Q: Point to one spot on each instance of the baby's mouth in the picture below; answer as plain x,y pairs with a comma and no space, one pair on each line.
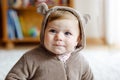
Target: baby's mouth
58,45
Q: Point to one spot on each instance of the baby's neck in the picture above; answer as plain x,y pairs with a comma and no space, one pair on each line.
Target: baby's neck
64,57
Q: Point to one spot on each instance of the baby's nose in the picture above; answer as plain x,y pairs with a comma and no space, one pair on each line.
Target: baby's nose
59,37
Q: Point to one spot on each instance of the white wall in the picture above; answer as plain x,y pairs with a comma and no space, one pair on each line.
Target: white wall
112,15
105,19
95,28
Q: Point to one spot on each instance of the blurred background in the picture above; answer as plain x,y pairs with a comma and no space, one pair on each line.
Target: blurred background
20,27
104,23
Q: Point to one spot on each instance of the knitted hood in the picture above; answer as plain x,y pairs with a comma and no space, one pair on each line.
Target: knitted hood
42,8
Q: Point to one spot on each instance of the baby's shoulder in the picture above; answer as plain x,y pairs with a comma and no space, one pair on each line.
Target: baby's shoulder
35,52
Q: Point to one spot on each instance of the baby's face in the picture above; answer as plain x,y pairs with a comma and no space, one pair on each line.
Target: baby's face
61,36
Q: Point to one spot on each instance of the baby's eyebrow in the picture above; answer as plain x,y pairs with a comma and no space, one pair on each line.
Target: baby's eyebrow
49,27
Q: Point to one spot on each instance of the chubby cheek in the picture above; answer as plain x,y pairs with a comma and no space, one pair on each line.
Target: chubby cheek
71,45
47,40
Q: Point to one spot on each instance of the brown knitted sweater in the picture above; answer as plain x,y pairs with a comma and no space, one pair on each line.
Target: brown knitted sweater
37,64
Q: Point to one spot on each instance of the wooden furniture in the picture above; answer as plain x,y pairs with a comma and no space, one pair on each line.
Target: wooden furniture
30,15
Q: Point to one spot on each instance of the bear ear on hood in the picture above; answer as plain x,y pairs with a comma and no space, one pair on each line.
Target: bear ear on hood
42,8
85,18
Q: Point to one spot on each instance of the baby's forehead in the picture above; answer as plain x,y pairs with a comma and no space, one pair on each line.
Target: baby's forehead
61,14
63,24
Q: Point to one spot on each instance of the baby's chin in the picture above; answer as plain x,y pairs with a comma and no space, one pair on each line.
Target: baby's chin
61,52
58,53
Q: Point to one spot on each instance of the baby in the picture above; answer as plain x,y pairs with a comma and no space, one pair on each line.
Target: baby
58,56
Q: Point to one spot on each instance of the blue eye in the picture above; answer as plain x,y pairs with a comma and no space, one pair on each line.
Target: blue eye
67,33
53,31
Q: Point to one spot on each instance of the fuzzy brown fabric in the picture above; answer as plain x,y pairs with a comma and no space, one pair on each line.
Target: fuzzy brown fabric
40,64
